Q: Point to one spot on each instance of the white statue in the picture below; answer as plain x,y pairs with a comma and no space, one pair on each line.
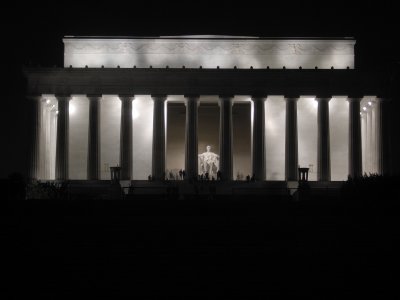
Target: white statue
208,163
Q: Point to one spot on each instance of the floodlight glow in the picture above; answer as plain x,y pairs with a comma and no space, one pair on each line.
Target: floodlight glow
72,109
369,103
135,113
364,108
48,101
56,112
180,51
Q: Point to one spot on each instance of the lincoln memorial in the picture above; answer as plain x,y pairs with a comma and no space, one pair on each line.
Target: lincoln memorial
230,105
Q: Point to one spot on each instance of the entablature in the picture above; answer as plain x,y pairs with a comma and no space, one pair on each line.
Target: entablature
205,81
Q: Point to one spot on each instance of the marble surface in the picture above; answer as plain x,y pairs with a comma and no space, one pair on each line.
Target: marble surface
208,52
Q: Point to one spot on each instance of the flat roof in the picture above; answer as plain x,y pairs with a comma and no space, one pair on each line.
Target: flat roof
208,37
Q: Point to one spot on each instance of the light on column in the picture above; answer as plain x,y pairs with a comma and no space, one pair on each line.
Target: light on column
72,109
315,103
135,113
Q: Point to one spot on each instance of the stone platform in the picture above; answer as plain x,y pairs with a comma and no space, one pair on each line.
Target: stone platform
180,189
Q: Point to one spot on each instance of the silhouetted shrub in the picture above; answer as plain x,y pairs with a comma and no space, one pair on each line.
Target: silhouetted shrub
43,190
371,191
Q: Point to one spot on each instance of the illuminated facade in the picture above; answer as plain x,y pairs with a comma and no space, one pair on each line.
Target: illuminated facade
151,105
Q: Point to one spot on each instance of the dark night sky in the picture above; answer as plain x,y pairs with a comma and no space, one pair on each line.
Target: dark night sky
34,34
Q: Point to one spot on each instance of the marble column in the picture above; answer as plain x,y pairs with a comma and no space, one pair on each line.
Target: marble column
158,155
323,155
53,146
126,146
258,138
93,161
374,160
45,141
363,117
355,154
383,136
369,142
62,144
36,112
191,140
225,137
291,141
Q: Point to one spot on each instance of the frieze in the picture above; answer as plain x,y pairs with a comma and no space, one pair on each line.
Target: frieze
211,47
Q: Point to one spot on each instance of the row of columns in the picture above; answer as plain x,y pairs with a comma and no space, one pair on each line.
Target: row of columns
191,138
375,136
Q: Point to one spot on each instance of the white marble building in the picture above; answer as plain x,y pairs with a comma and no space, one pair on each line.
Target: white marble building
150,105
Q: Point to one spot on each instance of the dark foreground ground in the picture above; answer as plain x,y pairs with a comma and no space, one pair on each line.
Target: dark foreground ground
176,249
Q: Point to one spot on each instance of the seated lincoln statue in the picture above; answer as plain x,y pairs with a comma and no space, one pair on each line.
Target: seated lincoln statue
208,163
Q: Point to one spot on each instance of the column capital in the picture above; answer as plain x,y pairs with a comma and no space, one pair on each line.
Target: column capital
323,96
320,99
291,98
159,97
126,97
94,96
255,98
63,97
